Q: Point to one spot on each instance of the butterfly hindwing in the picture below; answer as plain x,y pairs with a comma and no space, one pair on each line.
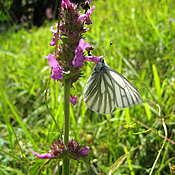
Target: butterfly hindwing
98,93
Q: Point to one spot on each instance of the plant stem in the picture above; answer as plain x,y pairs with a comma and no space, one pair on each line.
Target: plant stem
66,123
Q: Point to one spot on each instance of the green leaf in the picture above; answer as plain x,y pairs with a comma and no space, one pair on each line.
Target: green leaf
37,166
148,111
92,170
157,83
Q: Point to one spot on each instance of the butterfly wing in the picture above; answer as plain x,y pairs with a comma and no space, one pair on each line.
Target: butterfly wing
126,95
98,93
108,89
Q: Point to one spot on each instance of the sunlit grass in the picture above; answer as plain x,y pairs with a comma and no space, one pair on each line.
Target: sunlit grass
142,50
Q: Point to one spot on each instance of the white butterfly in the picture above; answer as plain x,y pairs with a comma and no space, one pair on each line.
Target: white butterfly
107,89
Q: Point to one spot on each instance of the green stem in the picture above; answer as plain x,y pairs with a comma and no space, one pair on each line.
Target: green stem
66,123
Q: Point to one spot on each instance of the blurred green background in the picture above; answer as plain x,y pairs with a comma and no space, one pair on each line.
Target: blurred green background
143,50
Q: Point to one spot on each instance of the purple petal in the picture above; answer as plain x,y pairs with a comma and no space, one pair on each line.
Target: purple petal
53,42
52,62
84,151
171,20
86,30
81,17
88,13
93,58
57,73
83,44
73,100
91,10
56,69
49,13
88,21
66,3
42,156
85,17
48,10
79,58
56,25
23,17
53,30
78,62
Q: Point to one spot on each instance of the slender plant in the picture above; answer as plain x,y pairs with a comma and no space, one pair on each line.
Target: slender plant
66,64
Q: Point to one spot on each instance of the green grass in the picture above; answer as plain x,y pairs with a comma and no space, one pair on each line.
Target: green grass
143,50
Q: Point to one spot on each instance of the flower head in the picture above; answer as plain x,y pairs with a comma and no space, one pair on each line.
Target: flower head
70,54
84,151
59,150
76,150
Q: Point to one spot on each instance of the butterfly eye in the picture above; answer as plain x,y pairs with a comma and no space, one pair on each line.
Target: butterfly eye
102,60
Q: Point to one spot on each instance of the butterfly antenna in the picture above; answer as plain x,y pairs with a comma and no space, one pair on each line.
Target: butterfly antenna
109,48
104,51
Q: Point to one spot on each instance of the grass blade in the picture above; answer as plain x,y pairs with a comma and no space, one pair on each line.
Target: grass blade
157,83
21,123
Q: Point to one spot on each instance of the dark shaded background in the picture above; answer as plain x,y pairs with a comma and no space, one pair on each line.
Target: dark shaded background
30,12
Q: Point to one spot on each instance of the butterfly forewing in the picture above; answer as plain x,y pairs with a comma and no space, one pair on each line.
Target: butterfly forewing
126,94
108,89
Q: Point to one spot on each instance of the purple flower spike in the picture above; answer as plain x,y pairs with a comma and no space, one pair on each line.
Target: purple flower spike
84,151
73,100
79,58
93,58
70,55
56,69
42,156
85,17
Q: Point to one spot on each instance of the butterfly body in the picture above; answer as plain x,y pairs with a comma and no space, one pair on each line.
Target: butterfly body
100,66
107,89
